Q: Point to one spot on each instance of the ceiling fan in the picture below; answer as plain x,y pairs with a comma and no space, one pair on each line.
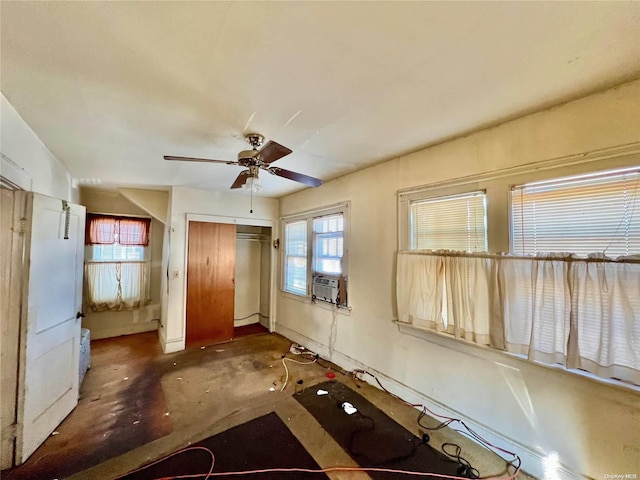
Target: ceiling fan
254,160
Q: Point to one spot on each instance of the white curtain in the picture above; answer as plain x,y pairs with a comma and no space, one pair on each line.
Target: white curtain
606,320
554,309
419,284
116,285
536,306
467,296
445,294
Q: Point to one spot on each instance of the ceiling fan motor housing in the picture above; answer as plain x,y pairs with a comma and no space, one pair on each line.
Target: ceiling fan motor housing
246,155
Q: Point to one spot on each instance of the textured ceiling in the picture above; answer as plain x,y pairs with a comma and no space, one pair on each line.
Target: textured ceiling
111,87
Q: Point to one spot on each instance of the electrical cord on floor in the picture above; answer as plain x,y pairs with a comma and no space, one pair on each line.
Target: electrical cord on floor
441,425
251,315
516,461
210,474
284,360
325,364
466,469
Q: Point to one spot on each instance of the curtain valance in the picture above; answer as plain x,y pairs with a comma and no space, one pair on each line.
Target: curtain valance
110,229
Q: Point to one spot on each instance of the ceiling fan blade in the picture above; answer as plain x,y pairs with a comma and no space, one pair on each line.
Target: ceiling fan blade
273,151
241,179
193,159
298,177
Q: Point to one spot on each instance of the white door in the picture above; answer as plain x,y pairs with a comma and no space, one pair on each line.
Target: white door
50,327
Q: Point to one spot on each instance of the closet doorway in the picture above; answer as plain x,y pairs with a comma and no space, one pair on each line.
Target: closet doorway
210,283
228,278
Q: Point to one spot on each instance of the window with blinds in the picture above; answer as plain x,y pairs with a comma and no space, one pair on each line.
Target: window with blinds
295,262
582,215
328,244
456,222
316,248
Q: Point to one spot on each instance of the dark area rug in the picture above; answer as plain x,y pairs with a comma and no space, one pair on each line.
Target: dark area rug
263,443
369,436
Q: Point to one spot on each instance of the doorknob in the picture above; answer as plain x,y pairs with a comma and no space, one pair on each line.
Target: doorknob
79,315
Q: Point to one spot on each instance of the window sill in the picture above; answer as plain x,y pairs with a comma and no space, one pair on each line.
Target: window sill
324,305
480,351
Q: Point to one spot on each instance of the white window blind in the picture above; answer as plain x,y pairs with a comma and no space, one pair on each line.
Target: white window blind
295,268
328,244
582,215
455,222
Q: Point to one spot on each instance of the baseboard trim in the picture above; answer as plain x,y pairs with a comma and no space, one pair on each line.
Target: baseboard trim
97,334
173,345
533,462
250,320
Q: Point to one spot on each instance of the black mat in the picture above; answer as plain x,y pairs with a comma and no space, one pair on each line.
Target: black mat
265,442
369,436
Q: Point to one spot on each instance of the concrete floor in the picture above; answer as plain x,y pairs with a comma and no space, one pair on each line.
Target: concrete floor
137,404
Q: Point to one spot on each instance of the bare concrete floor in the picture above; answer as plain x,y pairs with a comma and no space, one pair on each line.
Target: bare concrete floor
137,405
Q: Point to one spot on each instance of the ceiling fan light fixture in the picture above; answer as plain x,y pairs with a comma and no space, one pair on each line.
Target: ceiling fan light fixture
252,184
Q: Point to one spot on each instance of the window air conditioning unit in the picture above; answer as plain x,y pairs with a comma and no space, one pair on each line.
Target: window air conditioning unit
325,289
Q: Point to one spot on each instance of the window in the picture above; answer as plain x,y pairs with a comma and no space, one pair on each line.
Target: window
456,222
555,299
295,269
328,244
116,262
582,215
450,222
323,256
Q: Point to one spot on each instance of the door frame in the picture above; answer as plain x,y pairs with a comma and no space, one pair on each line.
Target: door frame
11,325
254,222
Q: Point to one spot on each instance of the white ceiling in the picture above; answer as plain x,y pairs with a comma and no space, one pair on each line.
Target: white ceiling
111,87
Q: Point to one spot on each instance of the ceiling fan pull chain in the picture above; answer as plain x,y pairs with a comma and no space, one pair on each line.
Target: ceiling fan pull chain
251,210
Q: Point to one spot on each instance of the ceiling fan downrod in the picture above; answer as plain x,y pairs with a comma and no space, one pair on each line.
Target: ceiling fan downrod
255,140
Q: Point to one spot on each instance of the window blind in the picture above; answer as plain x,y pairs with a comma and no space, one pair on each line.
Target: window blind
295,268
455,222
582,215
329,244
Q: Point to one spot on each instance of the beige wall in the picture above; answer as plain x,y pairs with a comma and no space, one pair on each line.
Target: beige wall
247,291
594,427
27,162
113,324
252,275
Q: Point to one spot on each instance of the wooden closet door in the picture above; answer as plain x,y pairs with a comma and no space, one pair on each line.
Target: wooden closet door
210,283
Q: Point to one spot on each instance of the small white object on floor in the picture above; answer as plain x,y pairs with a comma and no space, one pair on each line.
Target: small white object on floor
271,389
202,348
55,433
322,392
348,408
